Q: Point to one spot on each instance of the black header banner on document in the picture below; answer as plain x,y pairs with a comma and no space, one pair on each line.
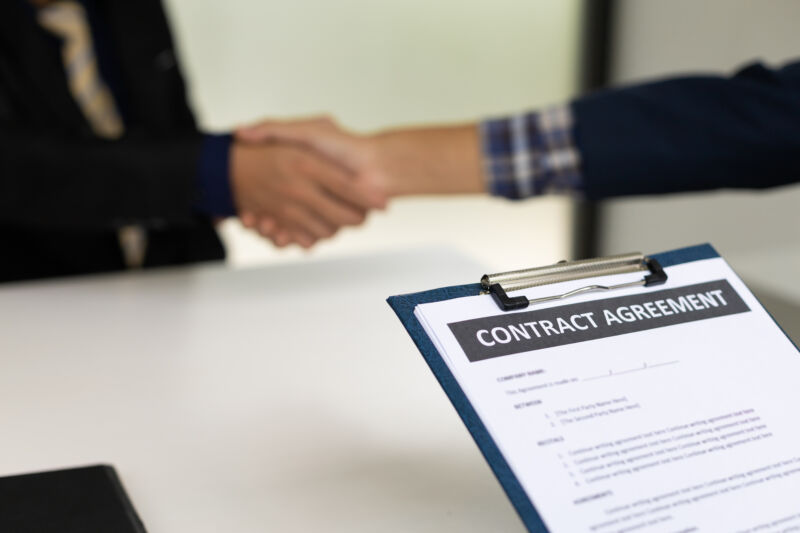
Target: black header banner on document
496,336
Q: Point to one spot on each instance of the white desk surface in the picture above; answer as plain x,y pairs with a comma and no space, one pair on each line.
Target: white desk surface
284,398
774,269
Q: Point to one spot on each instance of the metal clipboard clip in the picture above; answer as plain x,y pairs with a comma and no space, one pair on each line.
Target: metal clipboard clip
499,285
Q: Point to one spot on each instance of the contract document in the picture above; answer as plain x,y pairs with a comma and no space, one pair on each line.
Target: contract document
672,408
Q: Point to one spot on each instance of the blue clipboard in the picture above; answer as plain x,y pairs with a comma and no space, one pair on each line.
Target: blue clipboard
404,305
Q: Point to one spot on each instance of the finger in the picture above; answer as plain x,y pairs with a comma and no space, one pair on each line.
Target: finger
333,210
342,186
303,239
267,226
297,236
282,238
300,130
248,220
304,220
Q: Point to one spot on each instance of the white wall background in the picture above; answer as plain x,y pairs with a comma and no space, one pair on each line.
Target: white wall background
377,63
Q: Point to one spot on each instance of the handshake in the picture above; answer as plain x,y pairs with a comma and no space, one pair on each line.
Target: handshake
300,181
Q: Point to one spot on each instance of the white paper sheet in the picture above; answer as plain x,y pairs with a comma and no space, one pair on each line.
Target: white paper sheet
686,427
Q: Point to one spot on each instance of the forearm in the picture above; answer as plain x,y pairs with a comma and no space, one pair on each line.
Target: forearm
517,156
683,134
436,160
693,133
52,181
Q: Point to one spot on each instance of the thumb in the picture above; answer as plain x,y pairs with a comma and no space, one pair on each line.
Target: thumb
320,135
264,131
300,131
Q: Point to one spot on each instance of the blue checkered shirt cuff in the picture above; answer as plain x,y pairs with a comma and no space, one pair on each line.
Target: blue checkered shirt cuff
531,154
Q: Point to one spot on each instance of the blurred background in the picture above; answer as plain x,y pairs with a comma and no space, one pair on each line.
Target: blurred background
219,396
374,64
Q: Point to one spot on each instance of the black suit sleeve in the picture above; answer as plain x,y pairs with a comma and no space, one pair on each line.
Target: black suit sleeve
53,180
692,133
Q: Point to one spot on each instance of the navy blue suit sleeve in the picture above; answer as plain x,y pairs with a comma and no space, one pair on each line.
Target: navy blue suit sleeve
215,198
692,133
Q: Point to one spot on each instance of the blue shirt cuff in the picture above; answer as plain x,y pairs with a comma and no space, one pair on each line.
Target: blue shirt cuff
215,197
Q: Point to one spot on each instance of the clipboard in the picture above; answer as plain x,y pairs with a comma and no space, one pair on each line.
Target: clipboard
499,286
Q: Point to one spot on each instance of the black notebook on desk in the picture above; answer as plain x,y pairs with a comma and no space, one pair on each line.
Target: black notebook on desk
79,500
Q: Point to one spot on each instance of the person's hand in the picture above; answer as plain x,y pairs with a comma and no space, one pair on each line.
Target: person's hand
436,160
439,160
351,154
358,154
290,194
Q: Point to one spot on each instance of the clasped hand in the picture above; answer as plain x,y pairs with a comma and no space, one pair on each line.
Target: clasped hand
301,181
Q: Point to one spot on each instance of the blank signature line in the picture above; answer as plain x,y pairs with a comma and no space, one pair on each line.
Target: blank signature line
611,373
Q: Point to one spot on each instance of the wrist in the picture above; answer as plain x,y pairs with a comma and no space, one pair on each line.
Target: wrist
441,160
